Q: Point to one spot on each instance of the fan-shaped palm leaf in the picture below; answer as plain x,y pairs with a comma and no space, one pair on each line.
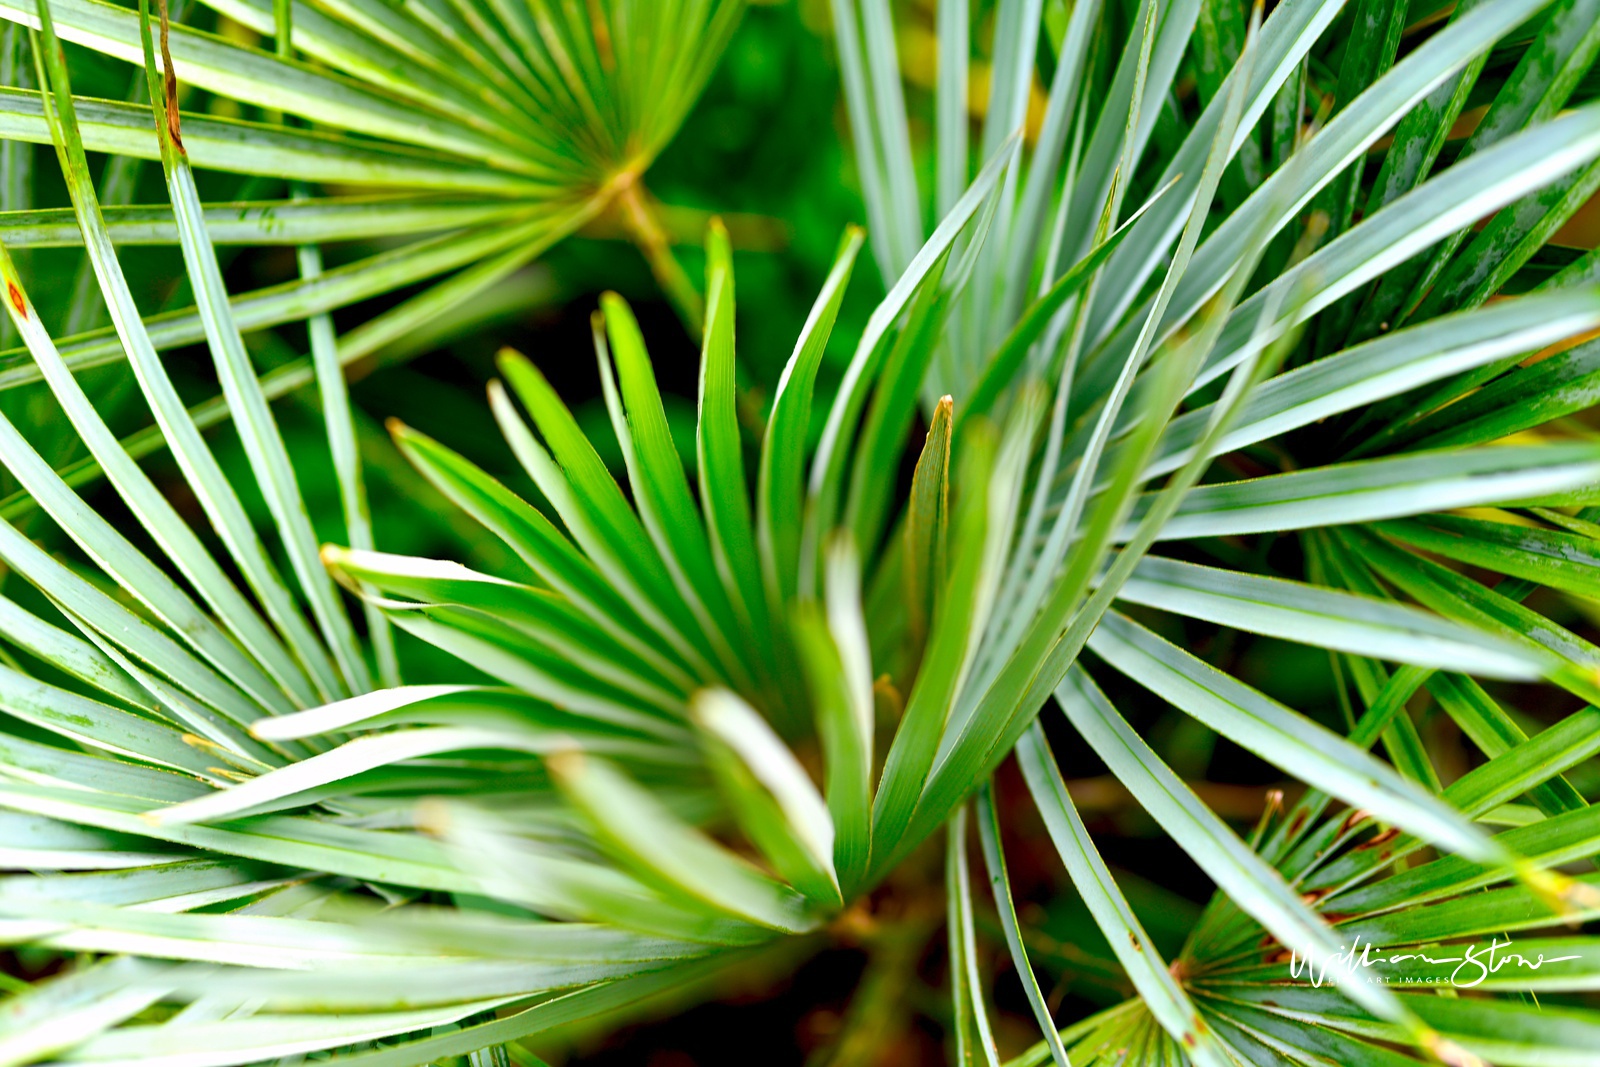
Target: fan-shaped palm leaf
279,859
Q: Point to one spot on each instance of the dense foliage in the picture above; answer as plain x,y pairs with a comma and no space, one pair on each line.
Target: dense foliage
1205,335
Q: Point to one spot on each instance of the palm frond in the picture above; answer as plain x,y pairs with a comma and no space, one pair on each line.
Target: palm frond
283,850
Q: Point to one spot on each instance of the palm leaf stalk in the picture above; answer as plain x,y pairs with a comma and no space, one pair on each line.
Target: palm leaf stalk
262,853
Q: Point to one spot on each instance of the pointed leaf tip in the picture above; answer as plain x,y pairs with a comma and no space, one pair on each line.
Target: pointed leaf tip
566,764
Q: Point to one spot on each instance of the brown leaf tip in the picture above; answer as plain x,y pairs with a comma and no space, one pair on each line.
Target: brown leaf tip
1356,817
1379,841
170,83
